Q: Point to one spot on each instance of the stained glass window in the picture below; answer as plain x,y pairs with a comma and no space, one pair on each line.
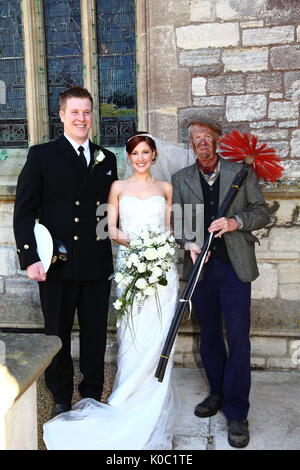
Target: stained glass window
64,53
117,74
13,128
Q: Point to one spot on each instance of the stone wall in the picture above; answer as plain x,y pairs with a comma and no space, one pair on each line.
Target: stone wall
237,62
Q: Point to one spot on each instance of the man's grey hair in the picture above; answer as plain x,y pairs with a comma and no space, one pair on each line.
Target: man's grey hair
207,123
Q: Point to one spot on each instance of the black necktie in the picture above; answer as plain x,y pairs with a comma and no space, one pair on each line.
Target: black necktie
82,157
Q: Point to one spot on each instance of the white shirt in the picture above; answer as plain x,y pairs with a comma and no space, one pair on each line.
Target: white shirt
85,145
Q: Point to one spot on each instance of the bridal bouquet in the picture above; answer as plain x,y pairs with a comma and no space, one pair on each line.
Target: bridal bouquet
144,268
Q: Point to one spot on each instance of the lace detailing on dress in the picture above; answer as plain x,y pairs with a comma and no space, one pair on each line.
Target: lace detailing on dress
140,411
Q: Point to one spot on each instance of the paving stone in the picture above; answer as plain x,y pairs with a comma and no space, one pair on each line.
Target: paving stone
266,36
266,81
244,60
216,35
295,143
232,9
281,12
199,57
199,86
201,11
246,107
283,110
292,85
8,261
226,84
285,57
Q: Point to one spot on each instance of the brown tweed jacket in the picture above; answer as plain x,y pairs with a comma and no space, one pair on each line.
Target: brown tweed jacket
249,204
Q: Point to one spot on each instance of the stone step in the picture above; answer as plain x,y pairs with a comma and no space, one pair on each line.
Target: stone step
274,415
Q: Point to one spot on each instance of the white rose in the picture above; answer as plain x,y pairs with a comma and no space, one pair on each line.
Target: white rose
141,284
133,258
150,254
144,234
141,267
135,242
156,271
162,239
126,281
148,242
141,256
153,279
99,156
149,291
171,250
117,304
162,251
119,277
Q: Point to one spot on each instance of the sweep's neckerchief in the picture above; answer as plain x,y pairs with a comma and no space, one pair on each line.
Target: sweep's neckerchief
210,173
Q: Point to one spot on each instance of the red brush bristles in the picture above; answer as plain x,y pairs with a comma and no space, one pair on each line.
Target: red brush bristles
244,147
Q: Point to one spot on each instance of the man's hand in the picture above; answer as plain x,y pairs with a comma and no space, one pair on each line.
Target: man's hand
223,225
195,250
36,272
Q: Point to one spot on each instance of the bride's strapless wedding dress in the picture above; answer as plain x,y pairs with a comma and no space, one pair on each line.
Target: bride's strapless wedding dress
140,411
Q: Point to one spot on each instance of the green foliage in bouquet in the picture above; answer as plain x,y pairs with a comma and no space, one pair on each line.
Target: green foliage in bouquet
144,267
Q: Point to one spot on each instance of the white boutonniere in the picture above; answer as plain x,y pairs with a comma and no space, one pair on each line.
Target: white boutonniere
98,157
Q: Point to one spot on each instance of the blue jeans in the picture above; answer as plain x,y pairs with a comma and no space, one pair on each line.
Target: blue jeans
222,296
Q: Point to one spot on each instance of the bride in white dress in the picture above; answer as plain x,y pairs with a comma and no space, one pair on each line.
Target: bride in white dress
140,411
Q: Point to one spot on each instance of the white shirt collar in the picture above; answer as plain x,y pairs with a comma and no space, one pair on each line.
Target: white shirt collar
75,145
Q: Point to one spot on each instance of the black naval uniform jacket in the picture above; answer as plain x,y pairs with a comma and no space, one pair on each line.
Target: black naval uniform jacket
54,187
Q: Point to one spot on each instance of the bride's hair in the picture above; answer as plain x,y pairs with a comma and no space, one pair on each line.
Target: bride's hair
139,137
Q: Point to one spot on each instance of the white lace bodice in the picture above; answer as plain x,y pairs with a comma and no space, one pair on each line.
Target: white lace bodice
137,214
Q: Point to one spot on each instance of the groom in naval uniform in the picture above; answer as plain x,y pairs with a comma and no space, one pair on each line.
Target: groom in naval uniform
62,184
224,290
